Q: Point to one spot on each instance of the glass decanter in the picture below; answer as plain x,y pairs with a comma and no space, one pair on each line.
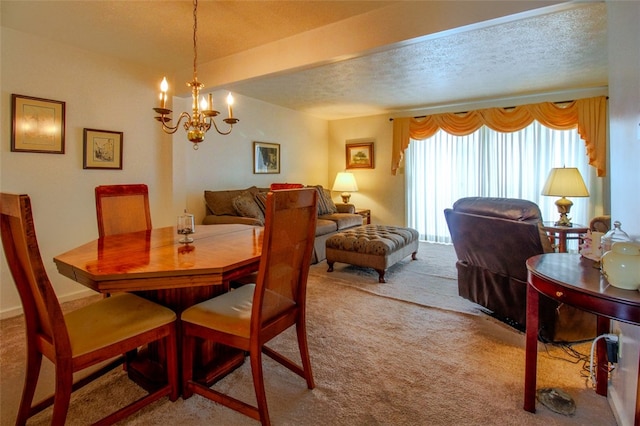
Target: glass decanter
613,236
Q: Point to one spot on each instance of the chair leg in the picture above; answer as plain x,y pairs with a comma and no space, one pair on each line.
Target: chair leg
258,384
62,397
188,343
301,331
172,363
34,363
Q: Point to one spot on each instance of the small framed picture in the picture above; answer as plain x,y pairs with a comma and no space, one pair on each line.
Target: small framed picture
102,149
266,157
37,125
359,155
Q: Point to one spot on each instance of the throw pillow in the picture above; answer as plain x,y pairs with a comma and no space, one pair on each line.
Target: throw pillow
326,197
221,202
325,203
261,200
246,206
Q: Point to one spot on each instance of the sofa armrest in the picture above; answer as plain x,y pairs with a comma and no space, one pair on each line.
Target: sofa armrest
213,219
346,208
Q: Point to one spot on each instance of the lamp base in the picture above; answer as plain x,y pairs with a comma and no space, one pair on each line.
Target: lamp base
564,221
564,206
345,197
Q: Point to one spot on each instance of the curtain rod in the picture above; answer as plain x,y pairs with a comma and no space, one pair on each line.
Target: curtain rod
510,107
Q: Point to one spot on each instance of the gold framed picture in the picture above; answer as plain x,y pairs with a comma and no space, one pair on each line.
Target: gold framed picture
102,149
359,155
37,125
266,157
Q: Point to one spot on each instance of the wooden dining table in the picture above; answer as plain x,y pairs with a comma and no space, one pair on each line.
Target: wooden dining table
155,265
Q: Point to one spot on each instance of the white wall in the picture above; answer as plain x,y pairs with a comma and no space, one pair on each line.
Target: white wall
102,93
378,189
226,162
624,134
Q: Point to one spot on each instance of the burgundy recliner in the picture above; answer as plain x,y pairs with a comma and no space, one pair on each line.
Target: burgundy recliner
493,238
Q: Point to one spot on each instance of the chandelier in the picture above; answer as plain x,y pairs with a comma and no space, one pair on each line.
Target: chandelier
202,116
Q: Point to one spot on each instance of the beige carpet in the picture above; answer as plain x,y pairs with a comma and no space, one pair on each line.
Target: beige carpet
377,361
427,281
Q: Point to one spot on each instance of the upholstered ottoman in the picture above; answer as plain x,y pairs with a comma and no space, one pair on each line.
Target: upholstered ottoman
372,246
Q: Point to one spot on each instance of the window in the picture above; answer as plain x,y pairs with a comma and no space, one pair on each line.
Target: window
444,168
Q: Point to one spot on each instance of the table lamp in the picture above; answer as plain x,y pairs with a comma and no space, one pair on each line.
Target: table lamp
346,183
565,182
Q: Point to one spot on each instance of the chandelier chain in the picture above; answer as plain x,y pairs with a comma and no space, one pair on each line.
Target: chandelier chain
195,40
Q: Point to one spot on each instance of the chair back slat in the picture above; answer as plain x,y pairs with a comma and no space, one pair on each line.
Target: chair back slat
43,315
122,208
290,223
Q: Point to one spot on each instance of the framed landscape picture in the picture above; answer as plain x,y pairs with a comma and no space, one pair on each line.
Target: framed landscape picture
37,125
266,157
102,149
359,155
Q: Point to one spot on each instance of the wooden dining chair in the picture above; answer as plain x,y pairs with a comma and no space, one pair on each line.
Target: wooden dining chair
250,316
82,338
122,208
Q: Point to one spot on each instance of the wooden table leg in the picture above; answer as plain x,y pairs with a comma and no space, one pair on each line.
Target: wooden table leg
602,372
212,361
636,422
531,350
562,242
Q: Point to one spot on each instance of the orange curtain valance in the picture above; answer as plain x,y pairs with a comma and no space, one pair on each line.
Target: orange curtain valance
588,115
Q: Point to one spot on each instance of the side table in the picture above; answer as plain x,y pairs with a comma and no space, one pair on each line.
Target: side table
571,279
560,233
366,215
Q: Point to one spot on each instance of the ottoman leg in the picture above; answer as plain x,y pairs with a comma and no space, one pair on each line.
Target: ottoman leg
381,275
414,255
330,266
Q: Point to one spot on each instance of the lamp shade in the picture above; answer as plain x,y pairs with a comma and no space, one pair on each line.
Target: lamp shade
565,182
345,182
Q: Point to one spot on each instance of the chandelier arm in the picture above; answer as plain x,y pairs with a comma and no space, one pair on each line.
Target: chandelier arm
172,129
165,127
218,130
187,124
169,130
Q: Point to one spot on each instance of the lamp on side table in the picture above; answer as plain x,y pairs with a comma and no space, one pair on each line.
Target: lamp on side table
346,183
565,182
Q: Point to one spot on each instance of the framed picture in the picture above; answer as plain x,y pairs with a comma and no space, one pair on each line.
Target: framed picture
266,157
359,155
37,125
102,149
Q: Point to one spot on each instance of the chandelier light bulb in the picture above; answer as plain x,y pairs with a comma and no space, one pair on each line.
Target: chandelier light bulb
230,103
164,86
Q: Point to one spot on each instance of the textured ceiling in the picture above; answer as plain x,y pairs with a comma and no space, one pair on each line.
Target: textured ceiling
561,50
554,52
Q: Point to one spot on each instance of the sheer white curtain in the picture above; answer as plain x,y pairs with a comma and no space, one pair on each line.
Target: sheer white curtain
444,168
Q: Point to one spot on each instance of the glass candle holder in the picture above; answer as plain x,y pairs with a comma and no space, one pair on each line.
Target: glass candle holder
186,227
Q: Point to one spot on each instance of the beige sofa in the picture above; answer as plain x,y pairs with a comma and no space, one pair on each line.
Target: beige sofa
246,206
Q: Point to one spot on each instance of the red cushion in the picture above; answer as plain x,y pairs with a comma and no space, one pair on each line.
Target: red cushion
276,186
